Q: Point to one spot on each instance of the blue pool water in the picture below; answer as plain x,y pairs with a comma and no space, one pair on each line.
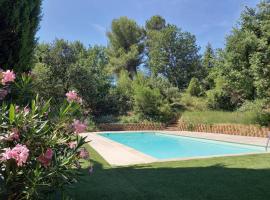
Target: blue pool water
163,146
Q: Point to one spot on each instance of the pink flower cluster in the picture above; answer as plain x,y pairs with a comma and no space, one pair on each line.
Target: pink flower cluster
72,96
79,127
8,76
46,158
83,153
19,153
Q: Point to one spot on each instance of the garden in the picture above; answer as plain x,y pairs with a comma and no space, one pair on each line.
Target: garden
155,73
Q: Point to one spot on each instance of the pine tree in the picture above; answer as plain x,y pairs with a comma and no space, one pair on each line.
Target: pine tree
208,57
155,23
125,46
19,20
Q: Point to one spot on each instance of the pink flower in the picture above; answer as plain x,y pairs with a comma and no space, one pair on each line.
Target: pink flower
8,154
49,154
72,96
45,159
8,76
19,153
83,153
72,145
79,127
17,108
26,110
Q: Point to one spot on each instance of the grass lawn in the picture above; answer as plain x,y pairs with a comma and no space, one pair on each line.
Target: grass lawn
219,117
231,178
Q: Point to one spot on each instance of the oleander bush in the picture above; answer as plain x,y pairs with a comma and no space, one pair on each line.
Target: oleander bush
40,151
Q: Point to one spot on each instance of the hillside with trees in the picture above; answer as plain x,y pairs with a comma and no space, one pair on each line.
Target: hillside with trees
156,72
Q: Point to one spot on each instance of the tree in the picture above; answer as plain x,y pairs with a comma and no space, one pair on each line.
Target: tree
125,46
155,23
208,67
174,55
245,62
57,59
90,79
260,60
65,66
18,26
208,60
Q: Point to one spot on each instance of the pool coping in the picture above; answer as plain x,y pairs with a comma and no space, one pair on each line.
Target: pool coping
117,154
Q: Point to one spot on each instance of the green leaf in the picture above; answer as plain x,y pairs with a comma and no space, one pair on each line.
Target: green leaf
12,113
65,110
45,107
33,105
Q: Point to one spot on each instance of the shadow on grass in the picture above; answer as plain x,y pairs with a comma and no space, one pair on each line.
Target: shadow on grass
182,183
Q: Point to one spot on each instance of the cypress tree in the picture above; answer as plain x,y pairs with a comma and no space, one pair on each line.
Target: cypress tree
19,22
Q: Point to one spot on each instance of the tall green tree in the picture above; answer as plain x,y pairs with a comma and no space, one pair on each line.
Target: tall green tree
55,62
208,60
156,22
18,26
208,64
125,46
62,66
246,58
260,60
244,64
173,54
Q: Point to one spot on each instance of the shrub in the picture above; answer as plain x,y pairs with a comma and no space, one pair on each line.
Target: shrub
106,119
194,87
193,103
256,105
22,91
166,112
167,90
147,102
219,99
40,151
123,93
261,109
150,105
263,118
130,119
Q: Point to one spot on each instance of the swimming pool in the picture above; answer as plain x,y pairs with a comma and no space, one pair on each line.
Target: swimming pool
165,146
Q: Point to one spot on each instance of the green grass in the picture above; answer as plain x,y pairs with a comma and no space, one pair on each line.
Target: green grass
231,178
219,117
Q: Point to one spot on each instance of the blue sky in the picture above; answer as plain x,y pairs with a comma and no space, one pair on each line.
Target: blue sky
88,20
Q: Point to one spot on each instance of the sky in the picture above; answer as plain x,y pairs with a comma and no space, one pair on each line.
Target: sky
89,20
